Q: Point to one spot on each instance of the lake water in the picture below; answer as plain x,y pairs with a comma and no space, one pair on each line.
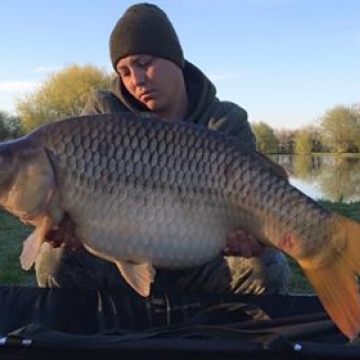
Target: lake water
326,177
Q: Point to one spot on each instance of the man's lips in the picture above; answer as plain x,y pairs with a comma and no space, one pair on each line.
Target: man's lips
147,95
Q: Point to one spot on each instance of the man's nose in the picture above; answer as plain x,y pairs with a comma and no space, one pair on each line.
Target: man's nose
139,77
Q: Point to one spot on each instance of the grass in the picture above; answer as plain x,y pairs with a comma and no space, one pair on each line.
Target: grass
13,232
12,235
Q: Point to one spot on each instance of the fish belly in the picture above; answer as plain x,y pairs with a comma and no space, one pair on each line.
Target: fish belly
150,225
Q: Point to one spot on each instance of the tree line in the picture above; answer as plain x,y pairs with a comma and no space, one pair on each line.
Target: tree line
10,126
337,131
65,92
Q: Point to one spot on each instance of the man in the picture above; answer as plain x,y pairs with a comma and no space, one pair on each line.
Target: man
153,76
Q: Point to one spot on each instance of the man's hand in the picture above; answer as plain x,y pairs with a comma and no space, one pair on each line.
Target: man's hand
64,235
241,243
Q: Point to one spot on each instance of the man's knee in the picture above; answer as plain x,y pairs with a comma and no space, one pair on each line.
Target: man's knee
62,267
47,264
65,268
267,274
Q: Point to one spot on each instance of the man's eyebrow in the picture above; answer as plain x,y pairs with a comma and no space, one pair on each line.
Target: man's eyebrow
138,58
135,59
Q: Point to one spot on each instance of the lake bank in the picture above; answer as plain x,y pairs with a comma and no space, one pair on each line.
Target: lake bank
329,177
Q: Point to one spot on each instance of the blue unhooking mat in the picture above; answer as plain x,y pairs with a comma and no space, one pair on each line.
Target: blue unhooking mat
115,324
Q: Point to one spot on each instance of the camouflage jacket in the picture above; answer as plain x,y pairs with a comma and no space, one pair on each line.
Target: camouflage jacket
205,108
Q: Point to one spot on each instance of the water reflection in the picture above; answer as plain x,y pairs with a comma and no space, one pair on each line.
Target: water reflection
330,177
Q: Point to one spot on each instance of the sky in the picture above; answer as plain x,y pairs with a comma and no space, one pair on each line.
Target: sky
286,62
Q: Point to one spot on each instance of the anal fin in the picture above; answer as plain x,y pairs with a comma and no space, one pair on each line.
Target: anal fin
138,275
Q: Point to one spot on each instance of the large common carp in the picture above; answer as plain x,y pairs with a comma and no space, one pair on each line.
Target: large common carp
145,192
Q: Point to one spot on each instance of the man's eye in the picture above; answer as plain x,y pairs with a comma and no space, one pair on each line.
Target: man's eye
144,63
124,73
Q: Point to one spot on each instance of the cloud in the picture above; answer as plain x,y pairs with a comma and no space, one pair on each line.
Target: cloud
47,69
16,87
11,90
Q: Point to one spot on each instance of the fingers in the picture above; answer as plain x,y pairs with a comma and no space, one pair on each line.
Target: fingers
64,235
64,241
240,243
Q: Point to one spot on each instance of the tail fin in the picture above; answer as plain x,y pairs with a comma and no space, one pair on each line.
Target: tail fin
336,282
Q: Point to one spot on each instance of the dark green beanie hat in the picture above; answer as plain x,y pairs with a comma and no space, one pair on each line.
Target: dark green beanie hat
145,29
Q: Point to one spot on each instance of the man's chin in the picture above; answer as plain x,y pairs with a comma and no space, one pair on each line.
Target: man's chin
151,105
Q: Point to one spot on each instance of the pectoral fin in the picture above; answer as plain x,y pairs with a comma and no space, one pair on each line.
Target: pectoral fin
33,242
138,275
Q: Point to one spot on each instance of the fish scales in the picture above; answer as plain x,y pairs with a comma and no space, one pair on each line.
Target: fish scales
184,192
147,193
158,198
208,194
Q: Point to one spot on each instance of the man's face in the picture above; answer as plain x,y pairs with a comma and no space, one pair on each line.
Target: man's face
153,81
